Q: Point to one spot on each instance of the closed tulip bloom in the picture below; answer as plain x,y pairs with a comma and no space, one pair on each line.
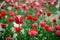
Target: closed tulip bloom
3,13
3,26
19,19
10,19
46,27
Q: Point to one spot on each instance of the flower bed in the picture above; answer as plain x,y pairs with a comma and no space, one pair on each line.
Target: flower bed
30,20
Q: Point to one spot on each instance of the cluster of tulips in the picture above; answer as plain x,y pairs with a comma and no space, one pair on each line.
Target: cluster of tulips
29,20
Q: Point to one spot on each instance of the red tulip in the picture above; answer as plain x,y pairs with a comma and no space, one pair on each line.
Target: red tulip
10,19
34,18
51,29
44,2
57,27
38,14
30,17
58,17
54,20
3,6
12,13
3,26
54,3
18,6
7,1
0,16
19,19
41,11
58,32
11,4
18,0
25,8
46,27
35,25
42,24
32,5
33,32
49,2
18,29
47,13
3,13
9,38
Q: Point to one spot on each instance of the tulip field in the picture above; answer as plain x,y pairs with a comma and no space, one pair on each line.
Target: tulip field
29,19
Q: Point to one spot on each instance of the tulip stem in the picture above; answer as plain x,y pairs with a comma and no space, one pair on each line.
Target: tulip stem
57,22
19,38
52,24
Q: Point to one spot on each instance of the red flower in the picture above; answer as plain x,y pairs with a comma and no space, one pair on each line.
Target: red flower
49,2
51,29
18,6
3,25
18,29
25,8
30,17
19,19
38,14
7,1
53,4
41,11
35,25
9,38
58,32
54,20
10,19
34,18
3,13
0,16
42,24
2,7
33,32
47,13
12,13
44,2
32,5
57,27
11,4
46,27
58,17
18,0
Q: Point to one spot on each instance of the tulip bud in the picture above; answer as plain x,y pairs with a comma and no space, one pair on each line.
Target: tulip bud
3,26
10,19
